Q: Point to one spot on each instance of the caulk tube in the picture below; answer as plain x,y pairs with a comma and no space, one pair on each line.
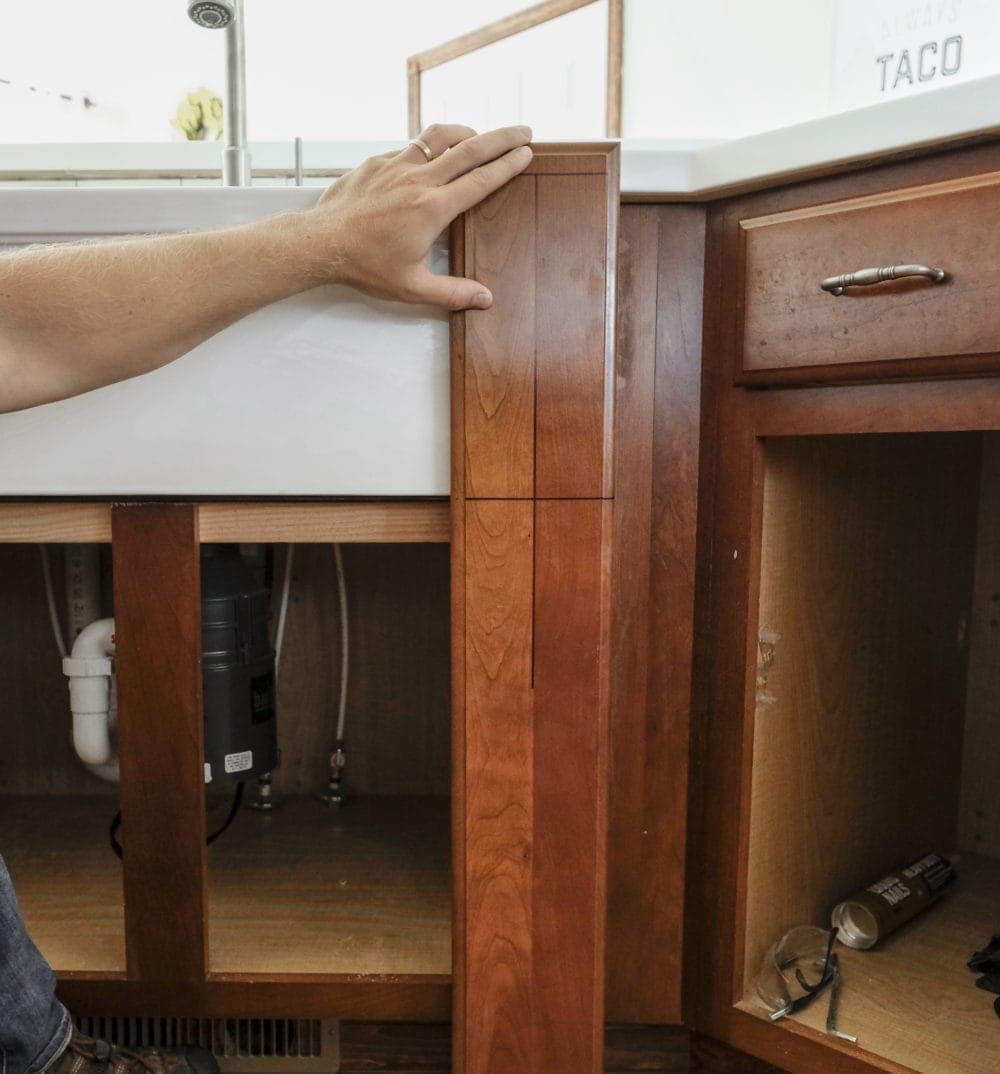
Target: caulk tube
868,916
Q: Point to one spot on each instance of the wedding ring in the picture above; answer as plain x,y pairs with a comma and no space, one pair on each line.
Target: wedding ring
423,147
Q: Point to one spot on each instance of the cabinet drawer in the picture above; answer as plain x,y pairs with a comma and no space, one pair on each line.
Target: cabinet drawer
794,331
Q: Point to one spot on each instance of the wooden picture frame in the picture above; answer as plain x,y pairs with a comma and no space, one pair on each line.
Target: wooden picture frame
508,27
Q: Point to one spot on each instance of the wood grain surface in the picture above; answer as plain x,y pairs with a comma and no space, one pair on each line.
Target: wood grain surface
791,322
370,522
68,882
161,735
234,995
376,521
54,523
979,808
875,180
656,477
572,595
501,1026
531,623
498,436
310,890
913,998
574,371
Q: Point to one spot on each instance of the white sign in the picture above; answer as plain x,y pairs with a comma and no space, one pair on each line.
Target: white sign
884,49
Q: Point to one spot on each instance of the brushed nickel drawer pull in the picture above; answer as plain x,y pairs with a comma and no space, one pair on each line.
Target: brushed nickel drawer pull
837,285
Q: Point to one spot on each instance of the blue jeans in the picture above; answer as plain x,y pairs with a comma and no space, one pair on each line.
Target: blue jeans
34,1025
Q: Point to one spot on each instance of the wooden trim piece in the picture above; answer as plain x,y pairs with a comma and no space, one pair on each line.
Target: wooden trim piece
535,854
157,597
55,523
657,414
364,998
574,368
494,32
412,98
616,66
570,766
800,1048
939,406
573,158
530,636
508,27
497,1022
498,437
376,522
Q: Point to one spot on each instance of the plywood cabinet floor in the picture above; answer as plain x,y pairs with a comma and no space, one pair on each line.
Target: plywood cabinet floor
913,996
361,890
67,880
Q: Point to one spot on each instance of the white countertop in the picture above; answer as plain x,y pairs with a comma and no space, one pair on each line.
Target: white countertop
670,169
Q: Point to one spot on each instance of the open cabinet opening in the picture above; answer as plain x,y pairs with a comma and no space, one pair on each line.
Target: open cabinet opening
55,812
876,728
363,887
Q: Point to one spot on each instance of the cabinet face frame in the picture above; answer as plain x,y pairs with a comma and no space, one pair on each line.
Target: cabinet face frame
532,521
735,423
158,544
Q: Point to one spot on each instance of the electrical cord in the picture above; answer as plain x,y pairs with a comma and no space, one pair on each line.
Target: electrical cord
116,824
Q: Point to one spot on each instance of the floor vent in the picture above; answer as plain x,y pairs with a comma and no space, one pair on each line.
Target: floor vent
274,1045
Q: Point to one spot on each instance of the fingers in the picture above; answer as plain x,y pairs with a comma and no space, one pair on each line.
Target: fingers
450,292
438,138
471,188
473,151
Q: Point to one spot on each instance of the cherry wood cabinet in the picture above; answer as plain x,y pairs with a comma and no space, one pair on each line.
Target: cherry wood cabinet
557,571
845,550
668,541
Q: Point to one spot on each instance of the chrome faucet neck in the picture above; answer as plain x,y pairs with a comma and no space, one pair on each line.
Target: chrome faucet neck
236,170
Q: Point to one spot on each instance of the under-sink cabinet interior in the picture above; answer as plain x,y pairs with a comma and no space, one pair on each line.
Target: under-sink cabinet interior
327,868
875,726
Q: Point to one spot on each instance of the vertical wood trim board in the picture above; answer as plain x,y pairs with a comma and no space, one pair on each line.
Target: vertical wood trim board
573,359
499,807
499,390
656,454
531,547
157,598
571,759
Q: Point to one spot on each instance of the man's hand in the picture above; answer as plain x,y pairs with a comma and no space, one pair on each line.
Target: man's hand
378,222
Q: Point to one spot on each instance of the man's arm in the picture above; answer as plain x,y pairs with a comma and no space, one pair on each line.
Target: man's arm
73,318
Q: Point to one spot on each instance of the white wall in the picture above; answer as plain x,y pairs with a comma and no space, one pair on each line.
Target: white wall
724,68
552,77
331,70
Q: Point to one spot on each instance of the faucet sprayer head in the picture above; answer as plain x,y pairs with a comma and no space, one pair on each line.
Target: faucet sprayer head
212,14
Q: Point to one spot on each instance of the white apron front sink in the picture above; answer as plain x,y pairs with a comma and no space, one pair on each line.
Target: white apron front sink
328,393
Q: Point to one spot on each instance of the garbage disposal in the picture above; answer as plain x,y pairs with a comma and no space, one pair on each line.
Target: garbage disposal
238,670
